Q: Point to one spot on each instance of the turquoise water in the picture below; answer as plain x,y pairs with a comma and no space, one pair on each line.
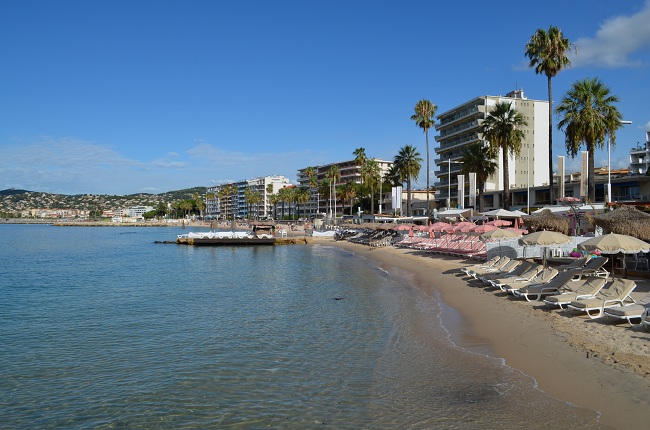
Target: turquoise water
102,328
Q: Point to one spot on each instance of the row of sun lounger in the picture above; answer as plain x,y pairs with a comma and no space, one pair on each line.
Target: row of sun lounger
582,288
375,238
467,246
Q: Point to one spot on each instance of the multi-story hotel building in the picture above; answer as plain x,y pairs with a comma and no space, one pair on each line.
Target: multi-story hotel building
460,127
236,205
350,172
640,157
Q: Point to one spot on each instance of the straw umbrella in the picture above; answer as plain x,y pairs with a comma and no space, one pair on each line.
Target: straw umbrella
547,220
625,220
615,243
546,238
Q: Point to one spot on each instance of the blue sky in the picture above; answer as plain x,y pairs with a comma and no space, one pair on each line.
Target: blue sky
120,97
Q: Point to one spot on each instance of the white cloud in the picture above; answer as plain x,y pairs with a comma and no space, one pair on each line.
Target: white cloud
616,42
645,127
72,166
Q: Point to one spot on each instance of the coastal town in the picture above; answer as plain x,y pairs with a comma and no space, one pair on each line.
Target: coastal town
354,215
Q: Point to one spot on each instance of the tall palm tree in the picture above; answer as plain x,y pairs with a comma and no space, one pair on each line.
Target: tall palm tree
348,193
547,51
334,175
371,172
360,159
302,197
274,199
480,160
408,164
502,129
588,116
312,175
284,196
425,111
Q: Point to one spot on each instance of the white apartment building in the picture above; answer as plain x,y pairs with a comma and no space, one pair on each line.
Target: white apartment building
236,203
350,172
460,127
640,157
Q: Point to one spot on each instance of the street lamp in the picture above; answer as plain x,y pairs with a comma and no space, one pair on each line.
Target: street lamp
449,181
609,166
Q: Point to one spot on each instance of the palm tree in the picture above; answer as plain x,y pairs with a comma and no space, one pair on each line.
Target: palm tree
502,129
478,159
312,175
547,53
252,197
334,175
408,164
284,196
348,193
423,117
199,203
589,115
274,199
302,197
371,172
392,176
360,159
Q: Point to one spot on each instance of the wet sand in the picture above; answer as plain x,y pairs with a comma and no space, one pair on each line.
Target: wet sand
593,364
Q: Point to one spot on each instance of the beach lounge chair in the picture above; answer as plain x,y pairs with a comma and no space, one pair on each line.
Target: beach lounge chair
521,268
595,267
491,262
616,293
526,276
586,287
480,271
645,320
543,277
555,286
578,263
629,312
505,270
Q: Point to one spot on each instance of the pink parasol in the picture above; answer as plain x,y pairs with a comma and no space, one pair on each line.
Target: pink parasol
483,228
500,223
438,226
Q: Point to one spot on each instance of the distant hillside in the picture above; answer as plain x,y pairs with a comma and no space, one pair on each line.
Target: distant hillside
12,191
12,200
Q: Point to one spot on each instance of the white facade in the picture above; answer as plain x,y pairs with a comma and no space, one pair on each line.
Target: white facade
460,127
136,211
236,203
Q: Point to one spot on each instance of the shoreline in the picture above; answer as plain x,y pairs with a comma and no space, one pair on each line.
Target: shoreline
592,364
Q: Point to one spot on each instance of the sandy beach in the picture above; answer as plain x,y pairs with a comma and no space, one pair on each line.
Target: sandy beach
594,364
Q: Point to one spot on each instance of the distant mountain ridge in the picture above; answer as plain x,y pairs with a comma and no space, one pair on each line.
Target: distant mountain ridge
15,200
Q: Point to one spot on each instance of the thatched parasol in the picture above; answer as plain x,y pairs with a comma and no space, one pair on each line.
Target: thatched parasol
625,220
547,220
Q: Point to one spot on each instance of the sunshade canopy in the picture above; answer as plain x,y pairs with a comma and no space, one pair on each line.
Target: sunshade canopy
614,243
546,238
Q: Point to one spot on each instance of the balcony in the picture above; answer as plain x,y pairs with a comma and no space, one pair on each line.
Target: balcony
458,129
458,116
463,141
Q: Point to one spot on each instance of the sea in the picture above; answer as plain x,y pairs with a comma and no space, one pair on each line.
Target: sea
104,328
